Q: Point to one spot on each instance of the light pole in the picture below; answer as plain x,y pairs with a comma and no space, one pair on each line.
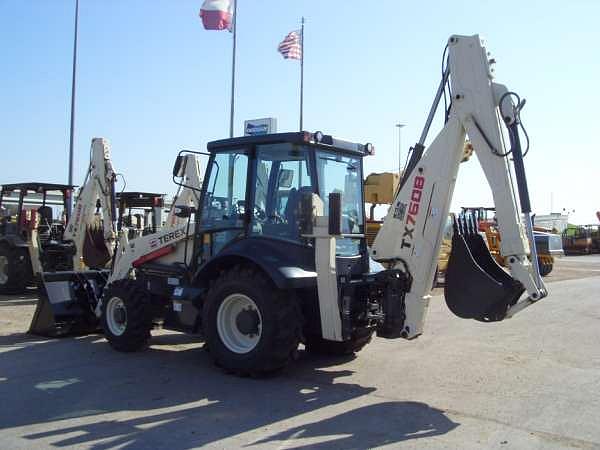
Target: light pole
72,130
400,126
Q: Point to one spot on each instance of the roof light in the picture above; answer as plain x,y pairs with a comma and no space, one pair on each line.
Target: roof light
318,136
369,148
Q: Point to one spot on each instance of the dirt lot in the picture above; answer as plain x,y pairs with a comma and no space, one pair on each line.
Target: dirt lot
529,382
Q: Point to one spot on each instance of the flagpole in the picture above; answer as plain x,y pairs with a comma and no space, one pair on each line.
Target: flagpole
72,126
302,74
232,110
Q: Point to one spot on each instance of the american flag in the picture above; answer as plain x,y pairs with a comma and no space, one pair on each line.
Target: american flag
291,46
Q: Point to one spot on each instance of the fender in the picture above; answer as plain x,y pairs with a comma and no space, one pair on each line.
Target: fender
289,265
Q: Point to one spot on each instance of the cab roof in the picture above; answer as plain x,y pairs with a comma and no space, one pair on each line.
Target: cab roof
36,186
300,137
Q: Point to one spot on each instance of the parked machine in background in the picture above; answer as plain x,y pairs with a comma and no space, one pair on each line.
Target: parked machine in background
140,213
31,233
548,245
595,235
380,189
87,243
577,240
275,252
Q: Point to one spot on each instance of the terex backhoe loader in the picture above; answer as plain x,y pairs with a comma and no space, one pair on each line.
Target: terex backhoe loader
277,252
82,239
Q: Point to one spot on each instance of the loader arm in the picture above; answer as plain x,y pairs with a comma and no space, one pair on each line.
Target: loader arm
411,235
188,194
91,227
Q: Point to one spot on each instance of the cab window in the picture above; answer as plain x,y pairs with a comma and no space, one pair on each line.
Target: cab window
282,176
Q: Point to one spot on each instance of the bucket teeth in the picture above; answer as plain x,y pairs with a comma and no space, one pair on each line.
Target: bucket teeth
476,286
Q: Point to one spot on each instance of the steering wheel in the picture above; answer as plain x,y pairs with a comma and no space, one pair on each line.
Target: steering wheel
276,218
259,213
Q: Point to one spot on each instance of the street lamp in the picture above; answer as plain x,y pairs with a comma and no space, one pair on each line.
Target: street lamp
400,126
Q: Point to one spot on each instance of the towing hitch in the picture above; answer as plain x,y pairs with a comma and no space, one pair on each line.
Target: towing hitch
476,286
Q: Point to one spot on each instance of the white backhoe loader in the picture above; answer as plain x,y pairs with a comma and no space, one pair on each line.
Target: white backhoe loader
277,254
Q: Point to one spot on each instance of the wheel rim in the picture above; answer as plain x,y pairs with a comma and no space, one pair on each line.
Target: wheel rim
239,323
116,316
3,269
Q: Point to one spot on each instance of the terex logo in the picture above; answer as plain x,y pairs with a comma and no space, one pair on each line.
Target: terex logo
161,240
413,210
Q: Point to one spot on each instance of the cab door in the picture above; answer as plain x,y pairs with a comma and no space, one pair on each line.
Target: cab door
223,216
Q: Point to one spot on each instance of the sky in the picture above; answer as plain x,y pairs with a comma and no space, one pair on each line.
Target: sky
152,81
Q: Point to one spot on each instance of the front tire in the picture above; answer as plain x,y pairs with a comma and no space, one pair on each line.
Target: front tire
126,316
250,326
14,275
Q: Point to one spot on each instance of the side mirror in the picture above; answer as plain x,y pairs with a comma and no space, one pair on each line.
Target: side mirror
335,213
184,211
177,167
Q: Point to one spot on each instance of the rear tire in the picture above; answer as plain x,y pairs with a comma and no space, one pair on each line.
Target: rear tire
126,316
250,326
360,338
14,273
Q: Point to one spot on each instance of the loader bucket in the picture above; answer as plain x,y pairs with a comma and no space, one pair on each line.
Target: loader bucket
476,286
95,253
66,303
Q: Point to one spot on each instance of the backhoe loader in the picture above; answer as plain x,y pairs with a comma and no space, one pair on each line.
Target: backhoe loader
31,233
274,253
87,241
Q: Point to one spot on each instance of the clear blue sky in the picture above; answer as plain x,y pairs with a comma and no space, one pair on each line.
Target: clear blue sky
153,81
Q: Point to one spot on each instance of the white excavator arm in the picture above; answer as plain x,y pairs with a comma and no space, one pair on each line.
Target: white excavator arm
91,226
411,235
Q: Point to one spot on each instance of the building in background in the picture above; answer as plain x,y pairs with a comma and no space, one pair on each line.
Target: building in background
557,221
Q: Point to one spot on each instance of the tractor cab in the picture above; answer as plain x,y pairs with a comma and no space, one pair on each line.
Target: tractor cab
31,229
26,203
253,191
139,212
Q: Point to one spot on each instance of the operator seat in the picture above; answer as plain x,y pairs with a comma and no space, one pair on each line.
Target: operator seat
45,223
45,213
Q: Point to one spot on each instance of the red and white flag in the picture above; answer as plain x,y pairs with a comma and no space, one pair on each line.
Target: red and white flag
291,46
217,14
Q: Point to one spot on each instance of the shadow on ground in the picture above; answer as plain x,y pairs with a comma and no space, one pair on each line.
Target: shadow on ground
174,398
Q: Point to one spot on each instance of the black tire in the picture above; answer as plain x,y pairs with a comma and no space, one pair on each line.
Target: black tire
138,323
545,269
360,338
280,323
16,273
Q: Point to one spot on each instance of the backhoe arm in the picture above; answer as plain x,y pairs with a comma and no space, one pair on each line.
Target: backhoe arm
412,232
92,225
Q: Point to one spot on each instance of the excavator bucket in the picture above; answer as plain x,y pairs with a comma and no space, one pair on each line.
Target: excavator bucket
95,253
476,286
66,303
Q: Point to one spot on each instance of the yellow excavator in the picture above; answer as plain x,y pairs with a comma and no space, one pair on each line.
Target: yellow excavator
548,244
